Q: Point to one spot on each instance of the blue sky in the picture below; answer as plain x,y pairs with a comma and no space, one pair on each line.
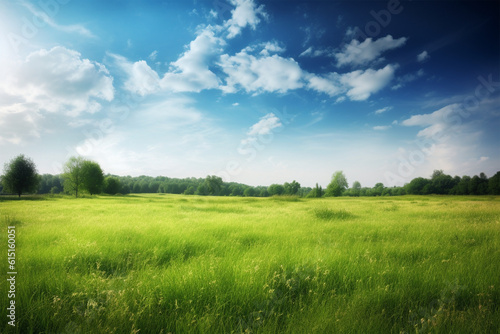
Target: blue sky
257,92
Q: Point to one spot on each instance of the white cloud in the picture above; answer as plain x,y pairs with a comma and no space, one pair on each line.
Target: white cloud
263,73
265,125
314,52
407,78
59,80
356,53
328,84
41,15
153,55
141,78
357,85
306,52
361,84
423,56
235,104
245,14
382,110
56,81
381,127
191,73
483,159
448,141
271,47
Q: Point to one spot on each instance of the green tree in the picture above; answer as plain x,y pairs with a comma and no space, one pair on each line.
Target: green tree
416,186
356,188
291,188
73,175
93,177
213,184
494,184
20,175
338,184
111,185
275,189
249,192
316,192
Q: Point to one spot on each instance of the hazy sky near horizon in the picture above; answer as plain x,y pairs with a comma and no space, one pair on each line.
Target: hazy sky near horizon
258,92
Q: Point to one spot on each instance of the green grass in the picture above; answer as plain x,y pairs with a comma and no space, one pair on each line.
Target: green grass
189,264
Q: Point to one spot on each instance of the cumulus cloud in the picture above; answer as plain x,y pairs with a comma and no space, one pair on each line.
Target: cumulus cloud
191,73
245,13
423,56
260,73
357,85
361,84
449,141
57,81
328,84
141,79
265,125
356,53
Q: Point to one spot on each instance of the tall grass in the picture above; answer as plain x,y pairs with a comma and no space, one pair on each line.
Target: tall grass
160,264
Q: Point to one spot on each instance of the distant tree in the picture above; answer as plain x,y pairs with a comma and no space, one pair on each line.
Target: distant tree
125,189
73,175
378,189
291,188
189,190
478,185
494,184
249,192
93,177
441,183
338,185
356,188
20,175
136,188
416,186
263,192
213,184
111,185
275,189
316,192
202,190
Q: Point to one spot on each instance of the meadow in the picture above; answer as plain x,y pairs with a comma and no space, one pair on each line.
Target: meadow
190,264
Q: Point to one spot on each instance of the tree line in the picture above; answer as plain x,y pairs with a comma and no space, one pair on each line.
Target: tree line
85,176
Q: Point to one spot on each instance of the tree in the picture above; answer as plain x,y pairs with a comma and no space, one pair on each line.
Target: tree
291,188
275,189
416,186
356,188
441,183
93,177
111,185
20,175
213,184
73,175
338,184
378,189
494,184
316,192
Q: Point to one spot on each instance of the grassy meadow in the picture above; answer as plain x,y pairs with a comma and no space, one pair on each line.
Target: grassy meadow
189,264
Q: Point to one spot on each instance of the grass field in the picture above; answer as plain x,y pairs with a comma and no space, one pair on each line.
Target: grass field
188,264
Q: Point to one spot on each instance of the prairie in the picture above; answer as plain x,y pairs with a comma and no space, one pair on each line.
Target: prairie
189,264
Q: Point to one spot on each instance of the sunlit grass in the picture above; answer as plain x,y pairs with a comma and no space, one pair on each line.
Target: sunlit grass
220,264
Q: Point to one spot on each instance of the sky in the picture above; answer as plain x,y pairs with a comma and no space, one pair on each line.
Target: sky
254,91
